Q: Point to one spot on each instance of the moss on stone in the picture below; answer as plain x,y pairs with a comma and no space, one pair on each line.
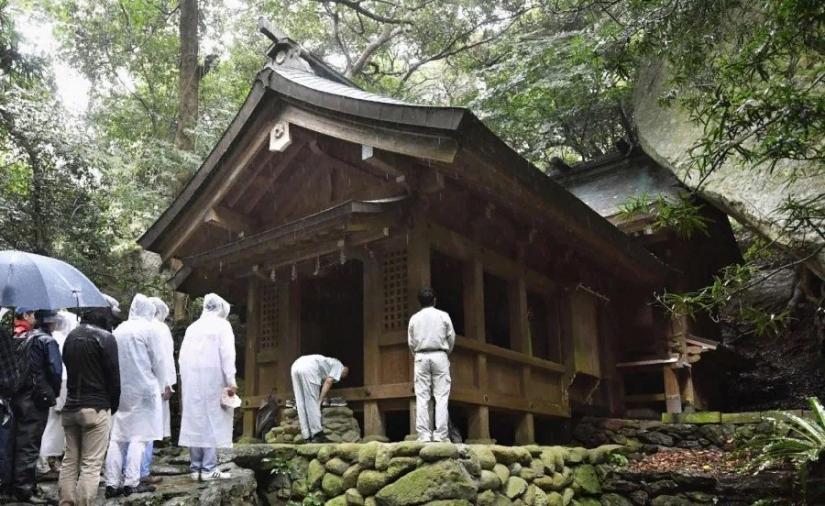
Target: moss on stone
445,479
615,500
541,498
354,498
554,458
700,418
515,487
450,502
486,498
336,466
299,488
585,480
576,455
502,472
599,455
529,496
586,501
528,474
366,456
348,451
315,473
510,454
567,496
332,485
741,418
326,453
370,501
382,457
537,465
485,456
407,449
308,450
379,439
488,481
502,500
341,500
350,477
369,482
439,451
400,466
555,499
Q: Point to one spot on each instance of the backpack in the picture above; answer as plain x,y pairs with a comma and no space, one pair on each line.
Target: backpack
21,353
266,416
455,435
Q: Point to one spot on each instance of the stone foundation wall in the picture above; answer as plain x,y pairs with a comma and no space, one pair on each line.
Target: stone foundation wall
443,474
339,425
693,430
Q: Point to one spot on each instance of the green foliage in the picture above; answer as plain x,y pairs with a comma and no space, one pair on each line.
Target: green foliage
279,466
682,216
798,441
617,459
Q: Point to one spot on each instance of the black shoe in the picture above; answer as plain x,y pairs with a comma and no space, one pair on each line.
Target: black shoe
143,488
320,438
112,492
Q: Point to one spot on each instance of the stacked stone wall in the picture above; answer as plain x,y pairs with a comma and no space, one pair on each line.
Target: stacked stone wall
443,474
340,426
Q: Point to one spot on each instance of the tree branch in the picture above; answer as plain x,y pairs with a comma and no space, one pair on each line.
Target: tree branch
356,6
358,66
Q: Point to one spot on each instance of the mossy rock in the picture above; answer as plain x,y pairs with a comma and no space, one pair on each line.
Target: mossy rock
488,481
485,457
529,496
541,498
370,501
501,500
615,500
515,487
354,498
369,482
486,498
299,488
336,412
445,479
300,465
315,474
586,501
537,465
407,449
341,500
511,454
439,451
336,466
554,458
382,457
450,502
528,474
326,453
400,466
514,468
377,439
502,472
348,451
585,480
332,485
309,450
535,450
599,455
366,456
555,499
350,476
576,455
555,482
249,440
567,496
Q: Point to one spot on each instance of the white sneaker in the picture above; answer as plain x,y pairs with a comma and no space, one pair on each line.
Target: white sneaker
216,474
196,476
42,466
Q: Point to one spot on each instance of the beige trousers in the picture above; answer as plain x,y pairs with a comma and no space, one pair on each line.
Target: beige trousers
87,437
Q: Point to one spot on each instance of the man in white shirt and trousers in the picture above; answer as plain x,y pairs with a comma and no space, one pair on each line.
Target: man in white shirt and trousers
312,377
431,338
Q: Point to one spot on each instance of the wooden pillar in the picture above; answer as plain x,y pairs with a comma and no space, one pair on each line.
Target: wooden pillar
520,341
373,312
479,419
289,346
253,317
418,277
673,398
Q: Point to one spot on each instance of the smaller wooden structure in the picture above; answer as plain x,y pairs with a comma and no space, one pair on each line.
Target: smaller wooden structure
324,209
661,367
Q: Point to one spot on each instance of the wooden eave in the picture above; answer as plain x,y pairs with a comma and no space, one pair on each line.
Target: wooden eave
341,219
456,132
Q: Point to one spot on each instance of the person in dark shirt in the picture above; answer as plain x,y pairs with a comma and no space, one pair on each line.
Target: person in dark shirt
93,395
37,392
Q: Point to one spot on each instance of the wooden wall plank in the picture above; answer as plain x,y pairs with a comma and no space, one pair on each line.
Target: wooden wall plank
250,348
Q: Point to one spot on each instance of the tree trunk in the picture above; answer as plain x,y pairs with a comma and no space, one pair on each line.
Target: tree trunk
188,84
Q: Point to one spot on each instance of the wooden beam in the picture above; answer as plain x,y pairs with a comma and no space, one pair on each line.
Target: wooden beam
478,425
373,311
241,156
253,318
228,219
179,277
374,424
254,179
673,397
525,430
645,398
283,163
389,163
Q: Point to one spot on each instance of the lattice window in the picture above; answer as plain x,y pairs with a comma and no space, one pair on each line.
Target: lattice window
270,320
396,303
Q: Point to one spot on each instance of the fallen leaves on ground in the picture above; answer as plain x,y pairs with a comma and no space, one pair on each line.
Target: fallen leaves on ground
706,461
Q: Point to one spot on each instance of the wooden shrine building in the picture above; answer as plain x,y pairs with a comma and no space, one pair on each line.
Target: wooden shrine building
324,209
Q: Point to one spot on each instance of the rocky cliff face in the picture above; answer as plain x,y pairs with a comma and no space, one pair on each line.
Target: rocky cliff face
667,135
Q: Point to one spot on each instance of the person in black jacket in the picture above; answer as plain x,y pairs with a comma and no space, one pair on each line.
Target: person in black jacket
37,392
93,385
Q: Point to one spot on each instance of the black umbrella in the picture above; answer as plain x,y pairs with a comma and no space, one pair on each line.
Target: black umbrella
38,282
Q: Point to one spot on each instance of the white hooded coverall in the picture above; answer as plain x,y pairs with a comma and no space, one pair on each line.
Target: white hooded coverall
431,338
168,346
308,376
207,367
139,418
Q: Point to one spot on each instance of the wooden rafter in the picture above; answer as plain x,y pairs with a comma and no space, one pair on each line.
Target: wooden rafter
277,171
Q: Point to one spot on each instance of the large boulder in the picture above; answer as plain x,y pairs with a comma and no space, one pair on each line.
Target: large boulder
446,479
753,198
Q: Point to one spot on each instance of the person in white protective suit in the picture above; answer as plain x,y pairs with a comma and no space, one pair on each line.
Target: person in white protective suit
207,369
312,377
54,439
431,338
139,418
170,377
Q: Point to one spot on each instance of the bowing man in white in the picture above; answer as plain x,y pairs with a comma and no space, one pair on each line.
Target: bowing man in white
431,338
207,368
312,377
139,419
